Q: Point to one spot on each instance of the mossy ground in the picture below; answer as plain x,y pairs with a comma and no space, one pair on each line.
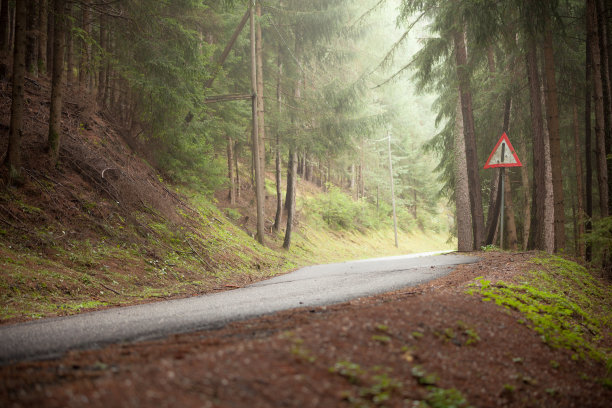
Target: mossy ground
563,302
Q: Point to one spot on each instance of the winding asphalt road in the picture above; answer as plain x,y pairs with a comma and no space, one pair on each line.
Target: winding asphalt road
307,287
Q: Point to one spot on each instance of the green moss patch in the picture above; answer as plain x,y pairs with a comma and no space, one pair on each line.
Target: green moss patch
562,301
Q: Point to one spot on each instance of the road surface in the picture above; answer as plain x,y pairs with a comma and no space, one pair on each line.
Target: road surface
307,287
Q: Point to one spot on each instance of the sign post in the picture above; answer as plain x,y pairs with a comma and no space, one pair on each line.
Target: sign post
500,158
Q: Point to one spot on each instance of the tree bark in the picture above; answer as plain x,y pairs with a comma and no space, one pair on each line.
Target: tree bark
552,111
13,159
291,195
102,73
549,216
4,29
279,193
538,202
50,30
463,215
579,232
70,78
260,92
278,171
230,170
84,74
42,36
31,37
600,139
12,18
237,168
470,140
602,23
55,111
511,238
588,163
259,176
526,200
494,208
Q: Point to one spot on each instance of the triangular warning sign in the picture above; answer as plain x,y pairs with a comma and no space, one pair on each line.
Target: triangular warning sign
503,155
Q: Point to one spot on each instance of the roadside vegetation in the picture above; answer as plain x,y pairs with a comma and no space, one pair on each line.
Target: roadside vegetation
53,270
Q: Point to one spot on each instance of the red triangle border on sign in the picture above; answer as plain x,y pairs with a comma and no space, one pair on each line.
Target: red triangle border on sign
503,138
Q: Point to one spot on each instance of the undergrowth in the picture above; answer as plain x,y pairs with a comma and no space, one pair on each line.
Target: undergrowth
563,302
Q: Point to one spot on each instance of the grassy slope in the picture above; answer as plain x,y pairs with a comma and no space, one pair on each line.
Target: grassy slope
102,228
208,253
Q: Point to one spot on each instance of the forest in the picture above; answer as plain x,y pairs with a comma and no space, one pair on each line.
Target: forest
321,91
305,203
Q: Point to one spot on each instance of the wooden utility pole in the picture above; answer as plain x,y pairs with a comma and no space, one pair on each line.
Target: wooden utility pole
259,179
392,188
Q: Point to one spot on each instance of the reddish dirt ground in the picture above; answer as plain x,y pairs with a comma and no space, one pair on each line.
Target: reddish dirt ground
383,343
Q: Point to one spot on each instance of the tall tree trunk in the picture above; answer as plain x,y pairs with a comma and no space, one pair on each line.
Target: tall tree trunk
31,37
579,232
549,216
279,192
538,202
70,78
50,30
278,171
55,111
12,18
260,92
600,138
463,215
237,168
526,195
13,159
102,73
470,140
84,69
291,195
259,175
4,29
292,165
42,36
230,170
494,208
552,111
588,163
602,25
511,238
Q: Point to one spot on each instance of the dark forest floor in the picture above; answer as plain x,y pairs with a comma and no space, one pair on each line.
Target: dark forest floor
432,345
